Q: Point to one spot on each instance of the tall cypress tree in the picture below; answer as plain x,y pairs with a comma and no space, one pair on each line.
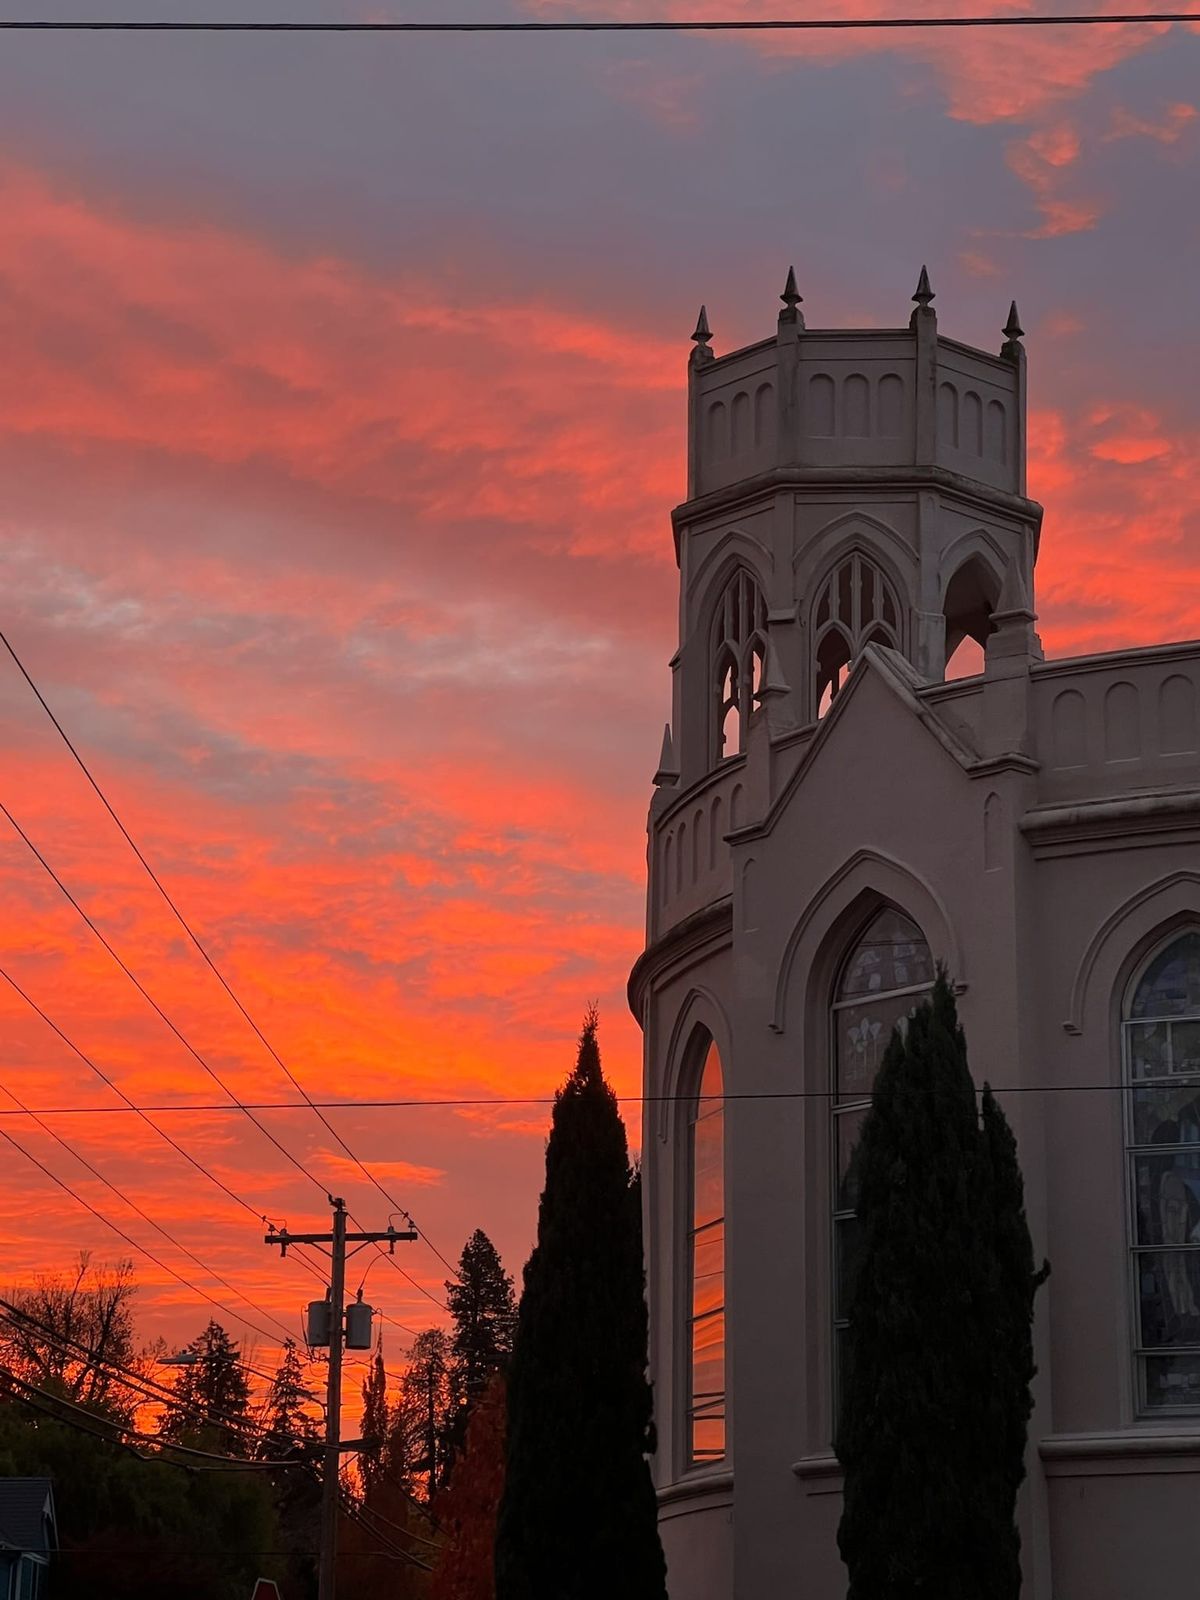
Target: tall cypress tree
578,1515
1016,1284
935,1386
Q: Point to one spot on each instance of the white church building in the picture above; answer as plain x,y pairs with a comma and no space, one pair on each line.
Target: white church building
833,814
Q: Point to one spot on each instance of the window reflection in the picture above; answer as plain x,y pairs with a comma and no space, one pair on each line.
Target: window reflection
706,1266
885,975
1162,1060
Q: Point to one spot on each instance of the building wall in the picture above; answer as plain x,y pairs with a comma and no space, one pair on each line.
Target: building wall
1039,823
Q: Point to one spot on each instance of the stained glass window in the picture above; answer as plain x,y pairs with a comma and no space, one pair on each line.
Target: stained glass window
706,1267
888,969
1162,1065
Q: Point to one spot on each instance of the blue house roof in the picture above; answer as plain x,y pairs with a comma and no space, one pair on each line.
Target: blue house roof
27,1520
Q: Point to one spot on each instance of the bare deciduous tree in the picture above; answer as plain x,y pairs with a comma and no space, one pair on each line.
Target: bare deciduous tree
71,1331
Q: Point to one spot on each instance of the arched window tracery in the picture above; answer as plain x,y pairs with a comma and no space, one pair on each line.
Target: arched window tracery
1161,1049
739,657
883,976
856,606
706,1265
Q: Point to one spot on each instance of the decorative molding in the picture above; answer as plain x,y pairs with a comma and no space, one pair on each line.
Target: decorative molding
982,543
734,539
702,927
856,479
847,525
884,866
1107,660
1135,1452
820,1474
687,1018
713,1487
1152,891
1120,821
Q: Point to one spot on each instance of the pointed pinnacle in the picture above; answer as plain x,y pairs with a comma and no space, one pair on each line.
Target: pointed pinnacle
1013,328
924,293
703,333
791,296
668,768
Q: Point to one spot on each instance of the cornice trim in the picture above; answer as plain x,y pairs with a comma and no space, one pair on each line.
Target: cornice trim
693,933
895,477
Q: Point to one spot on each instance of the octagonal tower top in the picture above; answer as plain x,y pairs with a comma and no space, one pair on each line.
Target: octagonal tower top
860,400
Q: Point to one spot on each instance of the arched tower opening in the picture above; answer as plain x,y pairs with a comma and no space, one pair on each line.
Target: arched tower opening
739,654
971,598
856,606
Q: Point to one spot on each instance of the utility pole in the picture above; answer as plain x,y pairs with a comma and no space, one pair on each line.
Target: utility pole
330,1323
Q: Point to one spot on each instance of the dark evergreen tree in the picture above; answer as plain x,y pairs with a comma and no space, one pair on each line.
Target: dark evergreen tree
1016,1285
578,1516
484,1309
934,1395
287,1418
423,1412
376,1424
211,1396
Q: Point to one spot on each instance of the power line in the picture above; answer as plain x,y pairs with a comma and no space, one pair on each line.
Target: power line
121,1436
140,1111
149,1389
146,1217
219,975
350,1510
500,1102
128,1238
187,1044
665,25
245,1426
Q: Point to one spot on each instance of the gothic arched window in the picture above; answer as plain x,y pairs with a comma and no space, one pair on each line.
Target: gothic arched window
883,977
856,606
1161,1030
706,1265
739,655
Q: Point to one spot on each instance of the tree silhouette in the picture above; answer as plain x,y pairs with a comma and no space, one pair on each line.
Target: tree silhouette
578,1518
423,1412
484,1309
287,1417
937,1362
211,1399
376,1424
72,1329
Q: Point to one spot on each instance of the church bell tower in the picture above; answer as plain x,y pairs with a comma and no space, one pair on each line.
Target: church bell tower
856,523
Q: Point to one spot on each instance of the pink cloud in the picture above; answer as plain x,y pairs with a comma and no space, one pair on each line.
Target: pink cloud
988,75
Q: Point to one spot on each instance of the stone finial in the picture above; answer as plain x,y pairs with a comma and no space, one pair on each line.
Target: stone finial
703,334
1013,332
791,298
924,294
667,775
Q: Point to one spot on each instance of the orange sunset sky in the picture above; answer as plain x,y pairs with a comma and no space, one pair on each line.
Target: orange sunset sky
341,417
